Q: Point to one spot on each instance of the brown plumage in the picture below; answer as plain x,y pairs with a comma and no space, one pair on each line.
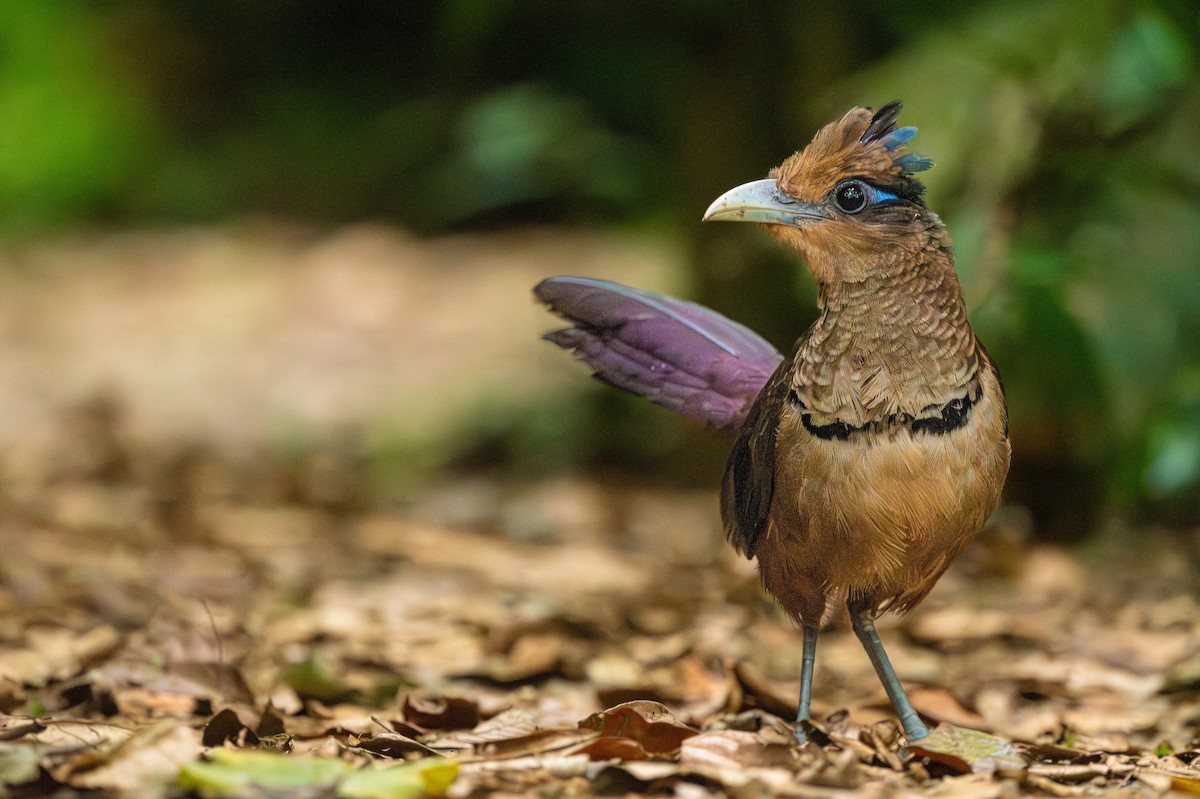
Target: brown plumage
878,448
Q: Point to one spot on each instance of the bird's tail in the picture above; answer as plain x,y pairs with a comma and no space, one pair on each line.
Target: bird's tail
677,354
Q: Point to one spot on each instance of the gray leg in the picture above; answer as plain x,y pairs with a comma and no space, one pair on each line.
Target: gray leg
864,628
806,674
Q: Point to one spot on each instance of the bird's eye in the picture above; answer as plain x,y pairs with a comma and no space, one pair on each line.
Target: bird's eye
850,197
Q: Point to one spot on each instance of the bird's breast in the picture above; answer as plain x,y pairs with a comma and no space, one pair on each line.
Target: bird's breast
877,510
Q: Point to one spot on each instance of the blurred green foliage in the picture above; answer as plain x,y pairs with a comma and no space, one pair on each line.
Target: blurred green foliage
74,128
1065,134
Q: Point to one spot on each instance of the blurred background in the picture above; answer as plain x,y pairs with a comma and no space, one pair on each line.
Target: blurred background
298,237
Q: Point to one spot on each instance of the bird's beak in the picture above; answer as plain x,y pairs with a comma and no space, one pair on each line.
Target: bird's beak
762,201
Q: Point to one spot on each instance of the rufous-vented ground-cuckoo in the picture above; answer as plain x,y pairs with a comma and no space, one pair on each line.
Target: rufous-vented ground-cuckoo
870,456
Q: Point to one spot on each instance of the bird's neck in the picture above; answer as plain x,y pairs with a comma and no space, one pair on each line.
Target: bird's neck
884,296
900,294
897,340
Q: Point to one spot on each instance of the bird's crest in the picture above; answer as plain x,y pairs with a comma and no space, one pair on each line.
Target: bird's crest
883,130
860,144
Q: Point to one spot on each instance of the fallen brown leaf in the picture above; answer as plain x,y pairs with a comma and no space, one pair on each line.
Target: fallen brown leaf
227,726
649,723
148,758
734,749
440,712
394,745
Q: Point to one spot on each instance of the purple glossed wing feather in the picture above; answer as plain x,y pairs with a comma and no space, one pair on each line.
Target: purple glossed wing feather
677,354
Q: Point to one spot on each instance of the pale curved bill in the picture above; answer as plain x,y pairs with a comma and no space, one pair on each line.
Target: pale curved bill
761,201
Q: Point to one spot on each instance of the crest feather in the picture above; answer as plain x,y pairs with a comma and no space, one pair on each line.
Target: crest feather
898,137
911,162
883,123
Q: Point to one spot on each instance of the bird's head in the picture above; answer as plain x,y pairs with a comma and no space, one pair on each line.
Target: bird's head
847,201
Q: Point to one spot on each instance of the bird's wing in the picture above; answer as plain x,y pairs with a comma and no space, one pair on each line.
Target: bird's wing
749,482
677,354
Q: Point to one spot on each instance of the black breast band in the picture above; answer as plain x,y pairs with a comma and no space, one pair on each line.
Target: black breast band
943,419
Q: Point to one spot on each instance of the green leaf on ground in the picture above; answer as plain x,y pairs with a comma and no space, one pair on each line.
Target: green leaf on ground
231,772
966,750
422,778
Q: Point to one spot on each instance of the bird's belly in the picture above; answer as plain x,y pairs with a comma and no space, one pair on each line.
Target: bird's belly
876,520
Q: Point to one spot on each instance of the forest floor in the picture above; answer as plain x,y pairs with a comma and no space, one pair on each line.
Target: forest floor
168,613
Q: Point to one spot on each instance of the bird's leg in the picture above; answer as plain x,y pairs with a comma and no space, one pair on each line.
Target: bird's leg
806,674
864,628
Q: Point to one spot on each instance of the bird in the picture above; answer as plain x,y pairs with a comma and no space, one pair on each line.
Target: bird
866,458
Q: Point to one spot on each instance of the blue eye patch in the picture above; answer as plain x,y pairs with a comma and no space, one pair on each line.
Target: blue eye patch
876,195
